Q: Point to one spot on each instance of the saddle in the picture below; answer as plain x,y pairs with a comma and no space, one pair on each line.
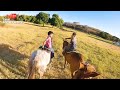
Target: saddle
72,51
46,49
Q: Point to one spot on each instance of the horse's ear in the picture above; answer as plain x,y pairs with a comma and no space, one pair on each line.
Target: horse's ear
75,76
75,72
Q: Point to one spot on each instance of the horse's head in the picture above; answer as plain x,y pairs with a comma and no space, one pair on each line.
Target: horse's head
65,43
86,72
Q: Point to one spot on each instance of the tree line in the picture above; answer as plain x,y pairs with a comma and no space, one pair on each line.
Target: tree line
108,36
42,18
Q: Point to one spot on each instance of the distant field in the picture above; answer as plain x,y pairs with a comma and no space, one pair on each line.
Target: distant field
18,41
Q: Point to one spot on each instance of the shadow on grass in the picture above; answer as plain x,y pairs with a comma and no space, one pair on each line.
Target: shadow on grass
11,59
28,43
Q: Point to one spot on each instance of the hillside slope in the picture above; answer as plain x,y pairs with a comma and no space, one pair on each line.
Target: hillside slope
18,41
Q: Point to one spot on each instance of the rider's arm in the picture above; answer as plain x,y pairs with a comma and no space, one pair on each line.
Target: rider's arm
67,38
44,42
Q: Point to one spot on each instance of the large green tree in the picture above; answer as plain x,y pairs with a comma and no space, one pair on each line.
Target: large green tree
42,17
56,21
33,19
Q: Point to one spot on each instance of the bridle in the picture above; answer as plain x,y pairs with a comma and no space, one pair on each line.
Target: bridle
84,70
85,67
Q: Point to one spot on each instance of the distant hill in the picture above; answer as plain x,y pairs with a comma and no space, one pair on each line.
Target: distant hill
91,30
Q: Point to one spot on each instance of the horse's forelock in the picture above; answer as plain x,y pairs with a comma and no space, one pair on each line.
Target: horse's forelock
66,42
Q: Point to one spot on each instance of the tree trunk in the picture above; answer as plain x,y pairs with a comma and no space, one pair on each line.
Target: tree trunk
43,24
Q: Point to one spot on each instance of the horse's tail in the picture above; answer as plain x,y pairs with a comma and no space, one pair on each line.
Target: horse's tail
32,70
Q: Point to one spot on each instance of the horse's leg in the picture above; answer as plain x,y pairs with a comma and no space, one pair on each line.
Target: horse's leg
40,73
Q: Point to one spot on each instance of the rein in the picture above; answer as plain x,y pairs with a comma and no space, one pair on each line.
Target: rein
85,66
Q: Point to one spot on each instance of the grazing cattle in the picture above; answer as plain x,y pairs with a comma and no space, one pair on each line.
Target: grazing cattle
73,58
86,71
38,61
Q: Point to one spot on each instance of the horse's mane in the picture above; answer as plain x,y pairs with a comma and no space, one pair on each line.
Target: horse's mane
66,41
77,55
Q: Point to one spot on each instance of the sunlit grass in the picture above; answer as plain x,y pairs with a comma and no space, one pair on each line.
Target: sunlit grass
25,38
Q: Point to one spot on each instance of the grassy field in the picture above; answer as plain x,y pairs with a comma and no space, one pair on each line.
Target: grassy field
18,41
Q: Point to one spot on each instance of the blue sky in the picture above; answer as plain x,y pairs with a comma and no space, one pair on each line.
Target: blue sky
108,21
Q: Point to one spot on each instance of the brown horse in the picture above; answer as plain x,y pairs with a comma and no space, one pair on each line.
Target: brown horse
73,58
86,71
77,64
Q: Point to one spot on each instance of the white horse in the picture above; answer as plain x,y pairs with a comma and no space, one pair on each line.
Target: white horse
39,60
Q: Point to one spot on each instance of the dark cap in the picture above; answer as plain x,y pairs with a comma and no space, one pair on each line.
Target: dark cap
50,32
74,33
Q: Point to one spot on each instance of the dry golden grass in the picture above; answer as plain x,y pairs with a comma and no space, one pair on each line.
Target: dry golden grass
18,41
